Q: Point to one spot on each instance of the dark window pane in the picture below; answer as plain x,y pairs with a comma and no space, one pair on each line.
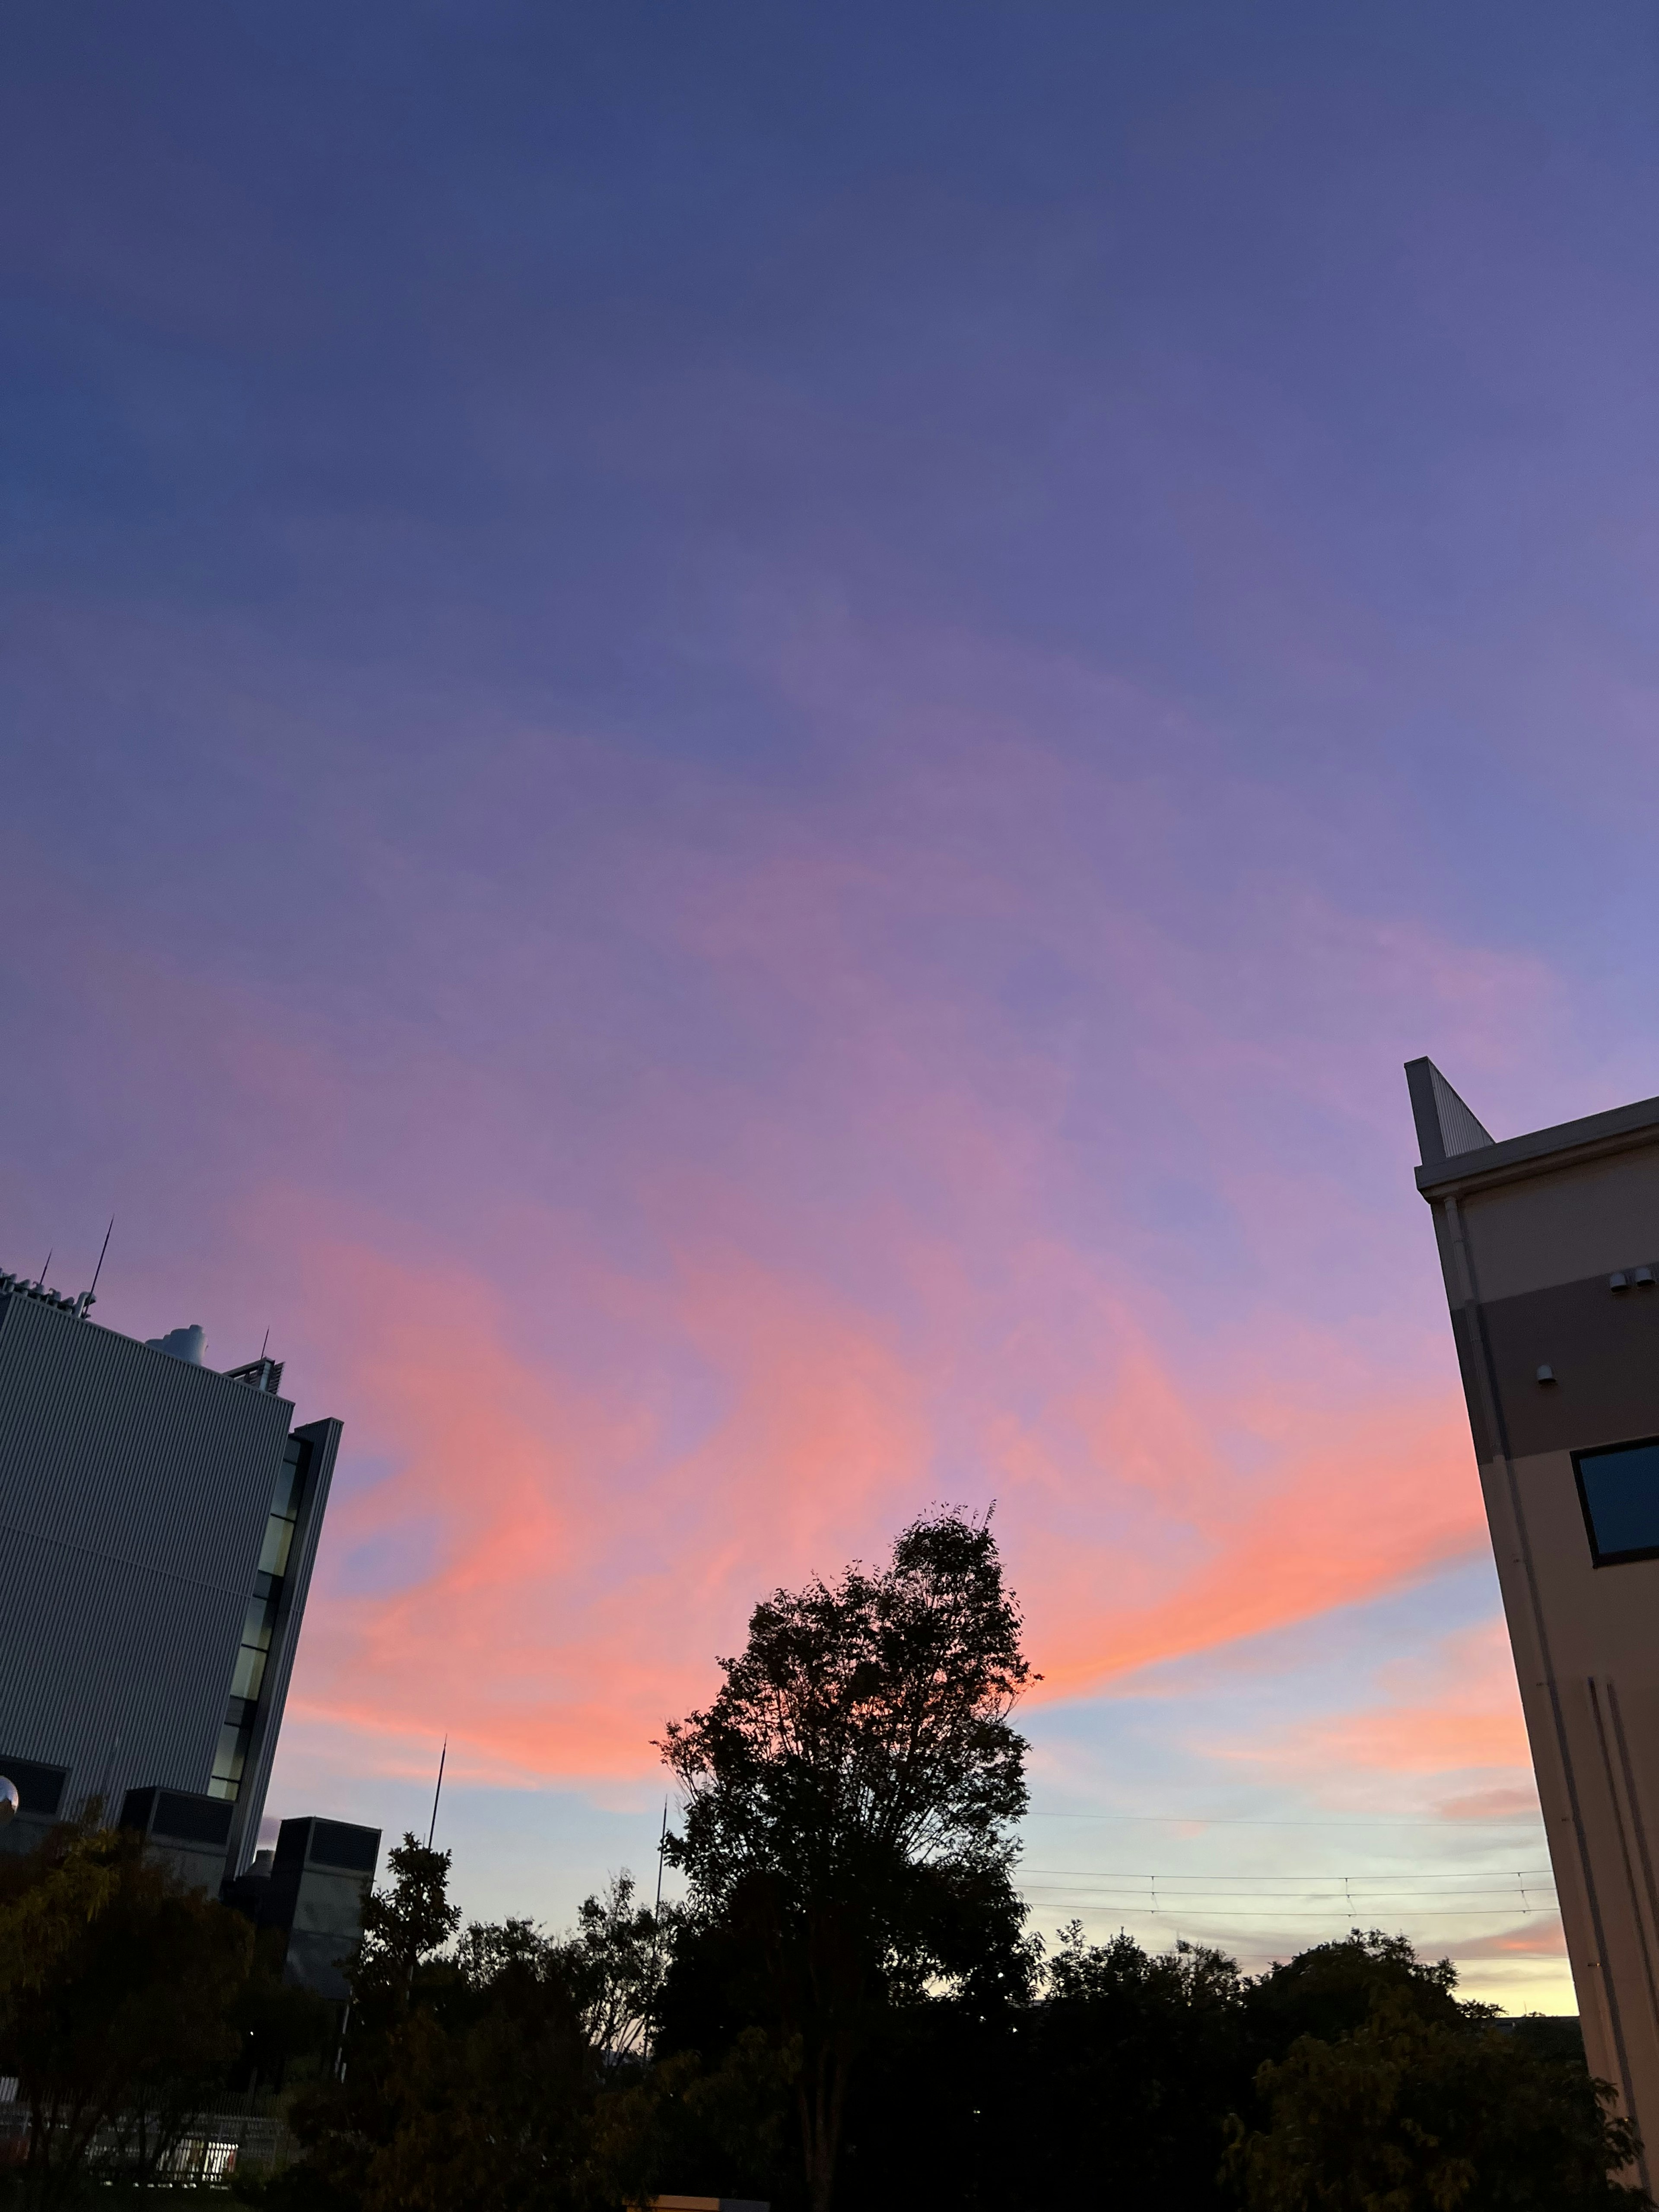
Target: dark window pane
341,1844
1620,1490
279,1534
256,1628
291,1481
229,1758
188,1821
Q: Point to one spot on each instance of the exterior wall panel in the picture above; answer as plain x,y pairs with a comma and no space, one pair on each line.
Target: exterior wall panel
1601,1347
1530,1231
1586,1219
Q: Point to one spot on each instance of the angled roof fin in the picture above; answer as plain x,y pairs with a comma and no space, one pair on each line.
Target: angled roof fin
1445,1126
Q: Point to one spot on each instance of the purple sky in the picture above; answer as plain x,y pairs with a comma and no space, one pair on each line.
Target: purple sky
738,744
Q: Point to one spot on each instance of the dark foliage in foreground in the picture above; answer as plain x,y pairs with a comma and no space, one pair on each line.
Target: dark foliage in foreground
500,2070
846,2010
1349,2080
128,2003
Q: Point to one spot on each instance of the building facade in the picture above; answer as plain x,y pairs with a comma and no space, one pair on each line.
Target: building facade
310,1888
1549,1244
158,1522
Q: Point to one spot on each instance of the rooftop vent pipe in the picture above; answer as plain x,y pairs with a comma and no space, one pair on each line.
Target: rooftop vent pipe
182,1343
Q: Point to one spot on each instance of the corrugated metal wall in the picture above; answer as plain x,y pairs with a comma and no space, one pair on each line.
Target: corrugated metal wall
134,1494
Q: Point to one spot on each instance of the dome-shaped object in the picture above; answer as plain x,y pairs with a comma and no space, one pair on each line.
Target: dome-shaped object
11,1803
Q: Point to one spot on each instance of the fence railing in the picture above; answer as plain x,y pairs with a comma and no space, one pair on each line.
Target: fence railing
210,2147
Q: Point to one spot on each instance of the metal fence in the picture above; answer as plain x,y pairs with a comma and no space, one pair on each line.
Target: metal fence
210,2147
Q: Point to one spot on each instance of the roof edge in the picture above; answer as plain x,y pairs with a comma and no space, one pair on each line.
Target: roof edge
1615,1131
1446,1125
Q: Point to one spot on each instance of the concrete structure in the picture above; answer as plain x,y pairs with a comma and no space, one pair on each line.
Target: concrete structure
1550,1248
189,1834
158,1524
311,1887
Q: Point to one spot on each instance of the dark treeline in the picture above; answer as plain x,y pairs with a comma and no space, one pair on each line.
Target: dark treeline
128,2004
848,2010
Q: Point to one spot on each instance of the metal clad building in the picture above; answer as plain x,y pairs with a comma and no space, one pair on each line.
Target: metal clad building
320,1873
158,1524
1550,1248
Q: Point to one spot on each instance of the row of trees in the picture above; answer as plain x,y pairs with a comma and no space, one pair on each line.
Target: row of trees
848,2009
128,2004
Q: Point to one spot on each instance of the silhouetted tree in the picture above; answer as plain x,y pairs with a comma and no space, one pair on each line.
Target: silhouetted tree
1396,2098
404,1928
848,1795
613,1963
117,1985
469,2078
1329,1990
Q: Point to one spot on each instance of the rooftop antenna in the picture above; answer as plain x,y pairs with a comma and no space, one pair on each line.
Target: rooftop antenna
89,1298
46,1269
432,1827
104,1247
266,1347
656,1936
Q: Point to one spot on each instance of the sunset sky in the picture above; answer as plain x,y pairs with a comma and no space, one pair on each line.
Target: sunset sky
739,740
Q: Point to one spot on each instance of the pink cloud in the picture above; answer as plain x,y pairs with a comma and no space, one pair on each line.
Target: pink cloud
585,1574
1454,1714
1541,1938
866,1228
1346,1502
589,1561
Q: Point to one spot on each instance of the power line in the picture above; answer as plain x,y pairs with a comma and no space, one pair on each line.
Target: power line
1372,1902
1437,1880
1337,1903
1250,1907
1204,1820
1370,1891
1185,1913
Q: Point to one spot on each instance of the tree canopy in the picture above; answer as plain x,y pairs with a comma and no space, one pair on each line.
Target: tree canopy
126,2000
1422,2104
849,1798
847,2008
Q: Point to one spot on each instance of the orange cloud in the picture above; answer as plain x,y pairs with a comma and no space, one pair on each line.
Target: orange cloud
587,1562
1541,1938
1216,1508
1353,1504
585,1574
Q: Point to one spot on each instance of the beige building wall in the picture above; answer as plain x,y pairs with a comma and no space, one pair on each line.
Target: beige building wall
1550,1248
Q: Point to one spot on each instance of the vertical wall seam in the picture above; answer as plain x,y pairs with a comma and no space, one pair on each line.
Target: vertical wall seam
1635,1802
1621,1829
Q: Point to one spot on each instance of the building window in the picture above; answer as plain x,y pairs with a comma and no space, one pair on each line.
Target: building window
248,1675
1619,1489
230,1758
